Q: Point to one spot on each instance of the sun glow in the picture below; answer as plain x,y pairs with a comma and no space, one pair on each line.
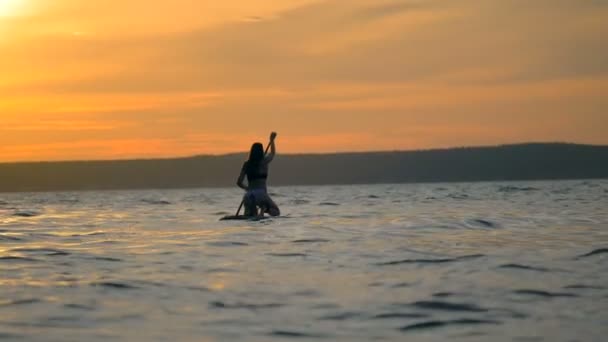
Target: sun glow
9,7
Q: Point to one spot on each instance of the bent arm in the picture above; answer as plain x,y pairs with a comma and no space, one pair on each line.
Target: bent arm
240,182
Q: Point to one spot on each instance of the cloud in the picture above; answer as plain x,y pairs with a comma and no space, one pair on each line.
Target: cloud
387,9
337,41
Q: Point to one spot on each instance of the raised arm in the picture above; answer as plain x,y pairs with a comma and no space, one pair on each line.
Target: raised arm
273,150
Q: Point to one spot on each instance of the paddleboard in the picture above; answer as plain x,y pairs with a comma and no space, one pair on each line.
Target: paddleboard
243,218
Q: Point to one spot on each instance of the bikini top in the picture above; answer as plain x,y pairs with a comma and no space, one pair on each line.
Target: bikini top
254,173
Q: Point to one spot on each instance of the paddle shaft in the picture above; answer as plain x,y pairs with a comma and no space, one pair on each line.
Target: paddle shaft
243,200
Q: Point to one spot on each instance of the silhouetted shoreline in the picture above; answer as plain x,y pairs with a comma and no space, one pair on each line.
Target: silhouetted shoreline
537,161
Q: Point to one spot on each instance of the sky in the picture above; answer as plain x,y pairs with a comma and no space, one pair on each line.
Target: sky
114,79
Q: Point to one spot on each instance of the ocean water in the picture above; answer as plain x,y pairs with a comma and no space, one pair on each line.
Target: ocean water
510,261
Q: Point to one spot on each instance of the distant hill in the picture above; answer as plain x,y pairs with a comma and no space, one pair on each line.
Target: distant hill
509,162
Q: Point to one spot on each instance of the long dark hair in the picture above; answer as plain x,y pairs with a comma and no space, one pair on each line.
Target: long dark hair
255,156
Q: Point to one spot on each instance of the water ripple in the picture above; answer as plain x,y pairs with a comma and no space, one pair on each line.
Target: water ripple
400,315
247,306
26,301
27,213
294,334
430,261
546,294
481,223
227,244
79,307
287,255
310,241
440,324
341,316
509,189
17,258
9,238
156,202
114,285
584,287
446,306
110,259
524,267
594,252
41,251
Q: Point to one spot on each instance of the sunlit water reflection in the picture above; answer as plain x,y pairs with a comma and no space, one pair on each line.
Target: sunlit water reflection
517,261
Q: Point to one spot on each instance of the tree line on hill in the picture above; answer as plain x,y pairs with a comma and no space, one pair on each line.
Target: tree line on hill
538,161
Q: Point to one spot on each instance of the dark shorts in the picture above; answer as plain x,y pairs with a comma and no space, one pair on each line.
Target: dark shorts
259,198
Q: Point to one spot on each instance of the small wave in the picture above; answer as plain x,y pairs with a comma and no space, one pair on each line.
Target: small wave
326,306
293,334
114,285
546,294
41,251
27,213
156,202
458,196
329,204
198,288
343,316
17,258
9,238
594,252
583,287
25,301
524,267
440,324
150,283
227,244
400,315
443,294
430,261
69,200
287,255
517,189
78,307
220,270
481,223
110,259
446,306
247,306
96,233
402,285
310,241
300,202
307,293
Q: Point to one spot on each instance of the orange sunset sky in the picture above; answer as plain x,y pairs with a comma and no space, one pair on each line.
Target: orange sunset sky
105,79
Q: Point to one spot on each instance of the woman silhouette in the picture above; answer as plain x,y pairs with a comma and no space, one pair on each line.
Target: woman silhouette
256,170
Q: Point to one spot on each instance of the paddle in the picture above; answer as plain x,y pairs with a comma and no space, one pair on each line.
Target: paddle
243,200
